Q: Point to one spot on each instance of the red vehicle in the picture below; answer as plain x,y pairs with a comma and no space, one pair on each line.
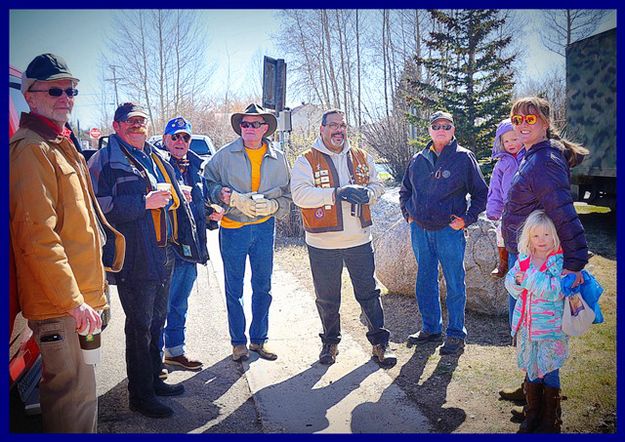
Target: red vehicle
24,356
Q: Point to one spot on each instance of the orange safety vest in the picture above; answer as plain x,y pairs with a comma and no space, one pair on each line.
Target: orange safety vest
329,218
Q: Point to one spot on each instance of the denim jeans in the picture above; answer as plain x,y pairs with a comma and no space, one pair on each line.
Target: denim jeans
183,277
446,246
145,305
327,267
511,301
235,245
551,379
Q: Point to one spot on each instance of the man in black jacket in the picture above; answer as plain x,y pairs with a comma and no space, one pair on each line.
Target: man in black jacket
433,199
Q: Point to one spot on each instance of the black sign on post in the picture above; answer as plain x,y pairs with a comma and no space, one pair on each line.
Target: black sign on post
274,83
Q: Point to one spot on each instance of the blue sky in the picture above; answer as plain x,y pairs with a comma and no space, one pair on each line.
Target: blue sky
234,37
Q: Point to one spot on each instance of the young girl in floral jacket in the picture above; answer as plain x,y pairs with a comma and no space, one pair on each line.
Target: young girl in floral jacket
542,347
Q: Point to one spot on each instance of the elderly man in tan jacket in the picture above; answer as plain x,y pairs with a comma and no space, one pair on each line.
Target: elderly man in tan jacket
57,232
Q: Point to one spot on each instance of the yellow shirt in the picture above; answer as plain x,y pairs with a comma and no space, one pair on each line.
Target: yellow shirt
256,159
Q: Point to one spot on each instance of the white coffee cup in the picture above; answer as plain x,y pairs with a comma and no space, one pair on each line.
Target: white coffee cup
257,196
90,346
163,186
185,187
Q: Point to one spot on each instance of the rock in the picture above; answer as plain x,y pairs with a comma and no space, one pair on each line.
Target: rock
396,267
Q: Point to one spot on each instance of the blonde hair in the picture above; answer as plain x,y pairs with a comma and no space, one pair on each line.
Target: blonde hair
541,108
538,218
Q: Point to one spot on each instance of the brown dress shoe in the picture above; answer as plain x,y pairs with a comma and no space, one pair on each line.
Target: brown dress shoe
184,362
263,351
240,353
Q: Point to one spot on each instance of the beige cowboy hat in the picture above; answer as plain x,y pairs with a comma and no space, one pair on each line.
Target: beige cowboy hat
254,109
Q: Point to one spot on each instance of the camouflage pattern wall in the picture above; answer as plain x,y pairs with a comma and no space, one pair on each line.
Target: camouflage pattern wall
591,103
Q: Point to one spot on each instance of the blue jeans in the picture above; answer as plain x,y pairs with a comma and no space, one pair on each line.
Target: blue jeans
551,379
172,339
511,301
326,266
446,246
235,245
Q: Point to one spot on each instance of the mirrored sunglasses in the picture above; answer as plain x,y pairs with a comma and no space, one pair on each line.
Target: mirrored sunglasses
441,126
530,119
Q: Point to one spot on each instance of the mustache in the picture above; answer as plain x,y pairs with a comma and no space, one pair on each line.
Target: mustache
338,133
141,130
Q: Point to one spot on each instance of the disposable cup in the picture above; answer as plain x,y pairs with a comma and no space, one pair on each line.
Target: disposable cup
163,186
258,196
185,187
90,346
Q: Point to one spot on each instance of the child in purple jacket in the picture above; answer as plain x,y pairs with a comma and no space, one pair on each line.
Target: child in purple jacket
509,151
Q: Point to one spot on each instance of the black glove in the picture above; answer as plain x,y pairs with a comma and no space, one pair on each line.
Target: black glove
353,193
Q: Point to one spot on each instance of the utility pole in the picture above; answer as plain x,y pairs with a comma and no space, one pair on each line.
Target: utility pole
115,80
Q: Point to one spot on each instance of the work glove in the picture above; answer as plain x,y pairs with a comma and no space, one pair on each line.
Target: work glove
353,193
266,207
243,202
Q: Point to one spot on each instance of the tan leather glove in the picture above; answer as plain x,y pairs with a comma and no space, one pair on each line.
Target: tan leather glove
266,207
243,202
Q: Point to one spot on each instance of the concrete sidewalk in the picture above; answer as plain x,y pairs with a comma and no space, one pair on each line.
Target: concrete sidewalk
296,394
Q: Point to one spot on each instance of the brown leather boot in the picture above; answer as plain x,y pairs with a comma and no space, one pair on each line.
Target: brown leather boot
551,413
515,394
534,396
502,268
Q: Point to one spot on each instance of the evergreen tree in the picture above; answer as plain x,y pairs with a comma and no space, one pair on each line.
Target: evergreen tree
468,74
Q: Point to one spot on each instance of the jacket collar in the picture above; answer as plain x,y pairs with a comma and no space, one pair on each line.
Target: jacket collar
40,127
321,147
451,147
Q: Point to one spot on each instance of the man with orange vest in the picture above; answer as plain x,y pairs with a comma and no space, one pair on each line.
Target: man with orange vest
334,184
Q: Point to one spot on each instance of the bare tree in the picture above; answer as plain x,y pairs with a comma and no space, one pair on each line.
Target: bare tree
159,57
561,27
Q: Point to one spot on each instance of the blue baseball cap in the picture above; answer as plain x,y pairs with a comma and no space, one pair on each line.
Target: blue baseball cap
177,125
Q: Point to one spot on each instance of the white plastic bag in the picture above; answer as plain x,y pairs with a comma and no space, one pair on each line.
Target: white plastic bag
578,316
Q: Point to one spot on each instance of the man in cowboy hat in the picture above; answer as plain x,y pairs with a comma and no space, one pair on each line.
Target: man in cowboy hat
251,179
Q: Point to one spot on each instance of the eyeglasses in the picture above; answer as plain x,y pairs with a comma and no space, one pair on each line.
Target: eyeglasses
441,126
530,119
57,91
136,121
185,137
335,126
255,124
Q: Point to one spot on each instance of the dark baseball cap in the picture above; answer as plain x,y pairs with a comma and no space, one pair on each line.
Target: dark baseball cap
441,115
127,110
46,67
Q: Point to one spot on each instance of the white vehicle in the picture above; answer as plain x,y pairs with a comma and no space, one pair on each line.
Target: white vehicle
200,144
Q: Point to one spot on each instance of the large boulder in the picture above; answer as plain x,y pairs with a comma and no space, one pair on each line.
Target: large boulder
396,267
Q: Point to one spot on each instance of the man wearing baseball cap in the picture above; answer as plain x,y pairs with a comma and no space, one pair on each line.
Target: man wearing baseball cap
188,167
251,178
55,222
433,199
139,193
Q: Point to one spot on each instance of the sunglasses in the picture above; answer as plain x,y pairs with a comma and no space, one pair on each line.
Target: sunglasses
185,137
255,124
136,121
530,119
441,126
57,91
